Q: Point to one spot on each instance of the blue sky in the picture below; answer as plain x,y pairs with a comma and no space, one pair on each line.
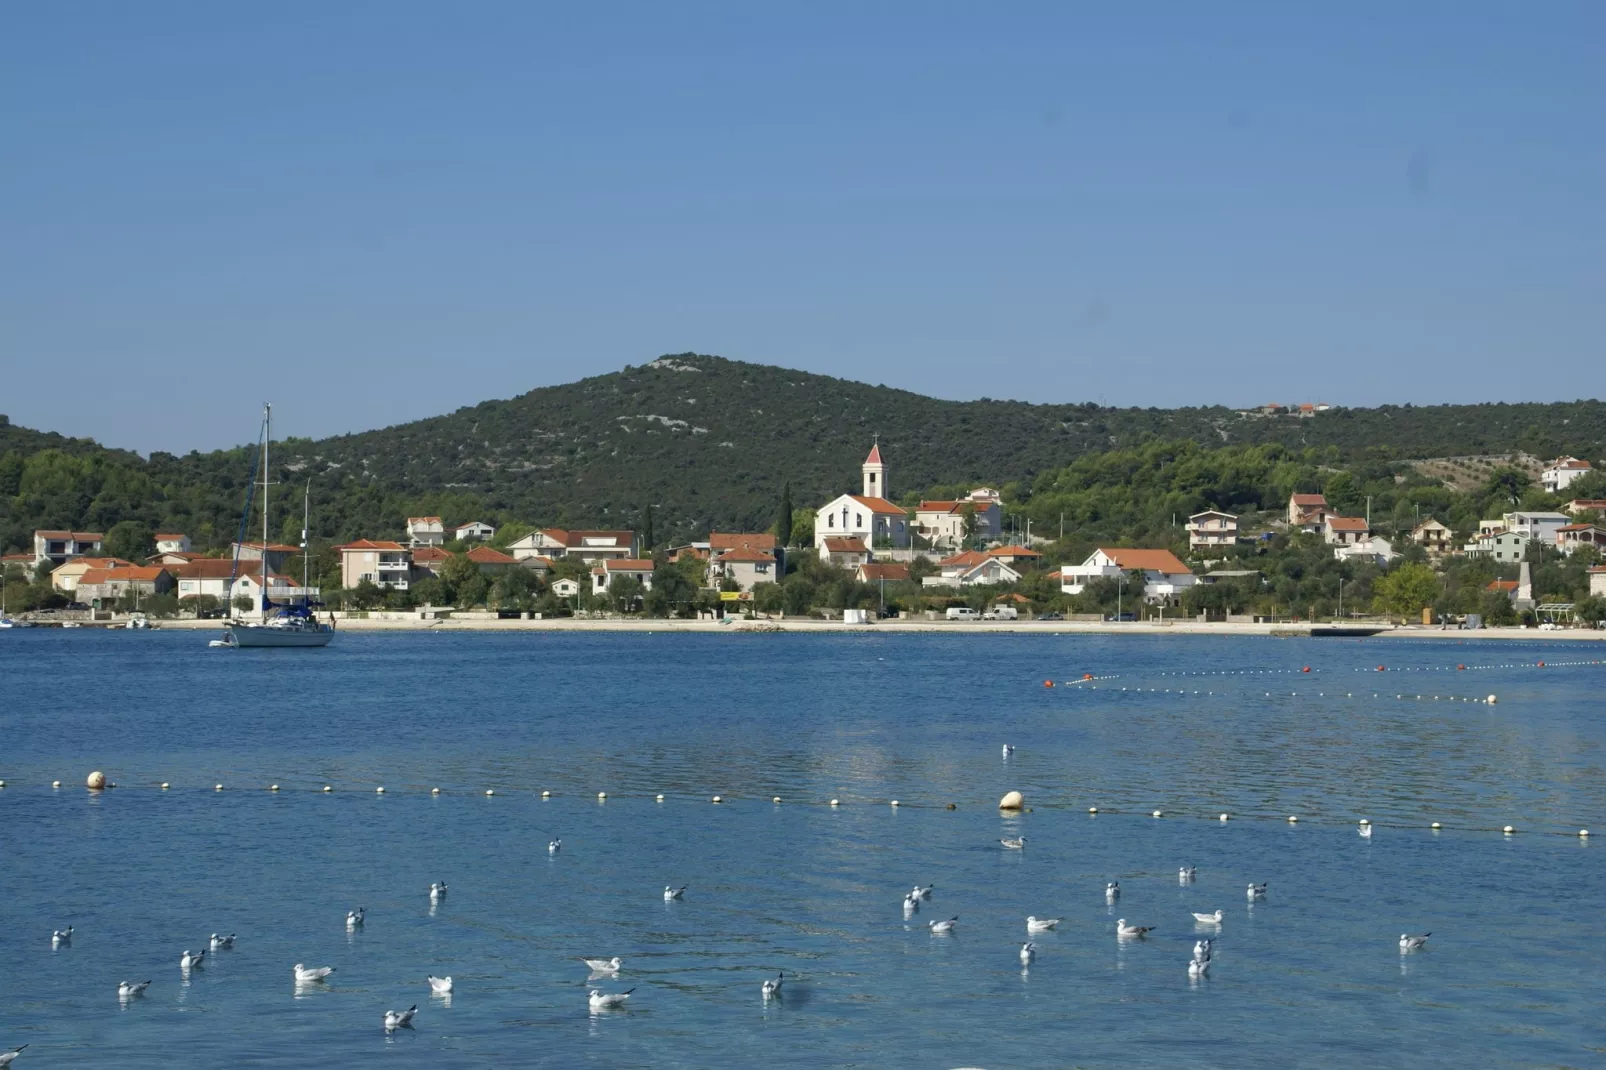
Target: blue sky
373,212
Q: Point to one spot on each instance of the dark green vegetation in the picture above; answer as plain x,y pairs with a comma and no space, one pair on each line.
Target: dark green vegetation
708,443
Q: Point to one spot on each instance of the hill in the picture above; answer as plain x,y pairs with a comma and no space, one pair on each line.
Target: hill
708,442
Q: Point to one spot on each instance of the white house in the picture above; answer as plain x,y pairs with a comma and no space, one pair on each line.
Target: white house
1579,506
474,529
1540,526
425,531
1561,473
59,547
581,545
942,523
387,564
1345,530
971,568
1502,546
743,566
1212,528
1164,577
868,517
172,542
1307,511
1373,548
1574,537
844,551
604,575
566,587
1432,536
281,590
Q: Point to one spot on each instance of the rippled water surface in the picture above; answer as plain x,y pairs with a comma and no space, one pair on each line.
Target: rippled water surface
1190,726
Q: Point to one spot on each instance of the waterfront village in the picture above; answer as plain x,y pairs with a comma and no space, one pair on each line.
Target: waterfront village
866,558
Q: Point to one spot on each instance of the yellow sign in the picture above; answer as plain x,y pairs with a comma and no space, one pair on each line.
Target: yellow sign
735,596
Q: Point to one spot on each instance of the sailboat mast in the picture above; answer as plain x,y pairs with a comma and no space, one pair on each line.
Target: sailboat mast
306,544
267,440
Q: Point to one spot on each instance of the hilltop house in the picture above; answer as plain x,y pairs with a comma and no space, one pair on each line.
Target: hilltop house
589,546
1164,577
1561,473
1579,506
1212,528
1374,548
1501,546
971,568
381,562
1345,530
1307,511
1574,537
1535,525
869,518
59,547
172,542
1017,556
425,531
1432,536
614,568
474,529
942,523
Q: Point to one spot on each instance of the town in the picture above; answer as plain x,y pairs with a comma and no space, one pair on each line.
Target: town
863,556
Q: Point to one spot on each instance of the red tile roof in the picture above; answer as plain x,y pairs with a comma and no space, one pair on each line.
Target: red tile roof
423,520
271,547
1501,585
127,574
879,505
1163,561
484,555
871,573
1570,463
727,540
837,544
965,558
372,544
746,555
875,455
1346,523
75,536
627,564
1012,551
213,568
576,539
428,555
170,536
1309,499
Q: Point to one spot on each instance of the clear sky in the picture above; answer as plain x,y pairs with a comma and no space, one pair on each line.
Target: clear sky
372,212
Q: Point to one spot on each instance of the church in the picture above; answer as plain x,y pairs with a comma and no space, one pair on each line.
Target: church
869,518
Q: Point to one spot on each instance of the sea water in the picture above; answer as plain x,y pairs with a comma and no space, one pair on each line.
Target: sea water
1191,726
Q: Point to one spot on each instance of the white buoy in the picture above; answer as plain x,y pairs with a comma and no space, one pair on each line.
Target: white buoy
380,790
217,787
1158,813
602,795
432,791
1225,816
273,787
1509,830
327,789
660,797
490,791
1012,800
895,802
1582,832
1435,826
55,783
95,781
1364,821
1293,819
836,802
164,785
1492,700
1092,809
776,799
716,799
546,795
2,783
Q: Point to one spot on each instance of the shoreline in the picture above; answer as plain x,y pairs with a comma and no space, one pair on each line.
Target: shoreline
897,627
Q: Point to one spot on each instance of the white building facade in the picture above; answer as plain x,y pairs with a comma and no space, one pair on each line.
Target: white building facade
869,517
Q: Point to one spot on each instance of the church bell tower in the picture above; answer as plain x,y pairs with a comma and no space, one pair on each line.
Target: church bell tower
875,474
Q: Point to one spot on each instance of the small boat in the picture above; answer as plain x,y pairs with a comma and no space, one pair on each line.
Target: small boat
138,624
71,624
12,622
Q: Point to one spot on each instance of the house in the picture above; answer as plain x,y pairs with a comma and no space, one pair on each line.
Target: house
381,562
1573,537
65,578
274,553
942,523
541,566
59,547
1505,587
25,562
1579,506
566,587
869,517
969,569
1597,581
1432,536
281,591
428,559
172,543
1561,473
1212,528
1164,577
743,566
1490,527
213,576
425,531
581,545
613,568
102,587
720,541
474,529
1540,526
1373,548
844,552
1307,511
173,557
1502,546
491,561
1345,530
879,573
1017,556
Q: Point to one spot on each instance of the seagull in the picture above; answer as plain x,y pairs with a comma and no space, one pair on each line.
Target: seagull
1123,929
131,989
911,904
673,893
1014,844
1009,748
400,1019
5,1058
1041,925
354,918
942,928
1028,952
923,893
554,846
440,985
1413,943
1207,919
1186,874
772,989
221,942
59,937
612,965
306,975
192,960
1366,832
1202,949
608,1001
1257,891
1198,967
437,891
1112,891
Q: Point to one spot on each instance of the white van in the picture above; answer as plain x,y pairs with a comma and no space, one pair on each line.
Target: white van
962,613
1001,613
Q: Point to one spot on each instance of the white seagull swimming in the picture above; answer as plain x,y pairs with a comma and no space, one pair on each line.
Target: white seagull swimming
439,985
437,891
1009,748
1257,891
942,928
1041,925
1016,844
191,960
772,989
673,893
1123,929
1112,891
59,937
132,989
354,918
221,942
608,1001
1198,967
1366,832
1186,874
306,975
612,965
400,1019
554,847
923,893
1028,952
1202,948
1413,943
1208,919
911,904
6,1057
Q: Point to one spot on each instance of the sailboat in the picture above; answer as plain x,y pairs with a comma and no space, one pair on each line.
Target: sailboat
293,624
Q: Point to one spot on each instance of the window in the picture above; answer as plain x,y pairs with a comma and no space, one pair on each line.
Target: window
830,520
761,568
858,520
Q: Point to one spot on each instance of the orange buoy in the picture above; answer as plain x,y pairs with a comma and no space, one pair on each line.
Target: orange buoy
1380,668
1048,683
1305,669
1460,668
1541,665
1087,676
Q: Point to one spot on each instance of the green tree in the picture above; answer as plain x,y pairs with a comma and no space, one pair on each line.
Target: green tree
129,540
768,598
671,592
624,594
1507,485
783,519
515,589
244,603
1591,610
802,527
1406,591
199,604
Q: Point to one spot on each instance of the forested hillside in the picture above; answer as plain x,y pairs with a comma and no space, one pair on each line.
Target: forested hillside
708,442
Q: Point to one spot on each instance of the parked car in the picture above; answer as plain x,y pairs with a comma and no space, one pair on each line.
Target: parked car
1051,616
962,613
1001,613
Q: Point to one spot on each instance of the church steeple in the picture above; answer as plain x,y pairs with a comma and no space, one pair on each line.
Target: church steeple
875,473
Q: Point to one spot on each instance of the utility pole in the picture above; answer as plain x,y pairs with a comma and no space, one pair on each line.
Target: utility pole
1062,524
